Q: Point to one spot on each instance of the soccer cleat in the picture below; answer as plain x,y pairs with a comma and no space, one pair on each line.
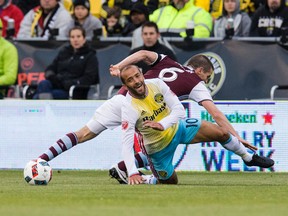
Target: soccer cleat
260,161
118,174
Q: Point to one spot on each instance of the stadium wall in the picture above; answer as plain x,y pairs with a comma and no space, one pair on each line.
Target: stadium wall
250,68
28,128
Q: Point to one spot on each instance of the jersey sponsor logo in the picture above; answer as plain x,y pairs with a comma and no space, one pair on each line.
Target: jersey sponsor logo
159,98
155,113
218,77
124,125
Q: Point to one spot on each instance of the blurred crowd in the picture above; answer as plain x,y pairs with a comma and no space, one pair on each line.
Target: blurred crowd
202,18
146,22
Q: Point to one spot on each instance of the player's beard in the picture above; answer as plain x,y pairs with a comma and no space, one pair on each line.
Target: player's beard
138,90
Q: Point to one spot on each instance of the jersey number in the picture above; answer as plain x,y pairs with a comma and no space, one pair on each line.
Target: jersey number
191,122
172,71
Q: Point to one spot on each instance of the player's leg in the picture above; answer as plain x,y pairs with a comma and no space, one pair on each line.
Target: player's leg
161,162
108,115
89,131
172,180
209,132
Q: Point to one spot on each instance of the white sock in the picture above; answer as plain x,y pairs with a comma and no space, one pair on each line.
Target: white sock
149,179
233,144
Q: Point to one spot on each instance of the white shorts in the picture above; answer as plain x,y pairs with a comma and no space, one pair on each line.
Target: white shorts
108,115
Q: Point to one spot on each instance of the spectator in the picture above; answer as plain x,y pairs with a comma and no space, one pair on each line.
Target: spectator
10,12
215,6
95,8
269,19
76,64
150,35
82,17
126,5
138,18
241,20
172,19
112,22
42,20
8,63
138,15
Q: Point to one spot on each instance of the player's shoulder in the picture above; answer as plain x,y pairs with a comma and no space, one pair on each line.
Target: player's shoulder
152,80
155,81
126,102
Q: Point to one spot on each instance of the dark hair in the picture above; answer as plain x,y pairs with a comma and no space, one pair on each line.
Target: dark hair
78,28
139,7
151,24
127,68
201,61
115,11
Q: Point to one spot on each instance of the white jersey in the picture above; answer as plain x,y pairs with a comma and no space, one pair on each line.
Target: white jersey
160,105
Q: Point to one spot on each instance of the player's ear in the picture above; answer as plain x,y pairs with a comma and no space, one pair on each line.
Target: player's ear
197,70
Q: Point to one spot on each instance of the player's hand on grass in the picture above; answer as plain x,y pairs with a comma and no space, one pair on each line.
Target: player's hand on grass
248,145
135,179
114,70
154,125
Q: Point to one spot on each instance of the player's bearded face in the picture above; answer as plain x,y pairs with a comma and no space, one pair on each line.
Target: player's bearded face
135,84
138,88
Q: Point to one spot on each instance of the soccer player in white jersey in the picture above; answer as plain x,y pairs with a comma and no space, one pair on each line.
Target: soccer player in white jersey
153,111
108,115
189,81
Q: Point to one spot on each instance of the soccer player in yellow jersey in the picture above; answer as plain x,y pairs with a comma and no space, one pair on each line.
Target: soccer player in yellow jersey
153,111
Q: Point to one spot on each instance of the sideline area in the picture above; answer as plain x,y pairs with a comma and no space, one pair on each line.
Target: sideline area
30,127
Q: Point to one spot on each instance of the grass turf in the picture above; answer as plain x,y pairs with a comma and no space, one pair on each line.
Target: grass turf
86,192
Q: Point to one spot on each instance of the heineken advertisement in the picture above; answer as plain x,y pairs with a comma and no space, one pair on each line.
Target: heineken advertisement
234,117
263,124
31,127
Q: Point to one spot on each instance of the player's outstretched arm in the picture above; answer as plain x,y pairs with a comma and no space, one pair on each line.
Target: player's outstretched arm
222,121
143,55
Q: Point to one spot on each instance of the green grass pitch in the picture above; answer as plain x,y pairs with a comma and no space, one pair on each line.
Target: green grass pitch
88,192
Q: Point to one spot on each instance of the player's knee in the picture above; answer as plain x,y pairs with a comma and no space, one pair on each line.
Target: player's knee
172,180
223,135
84,135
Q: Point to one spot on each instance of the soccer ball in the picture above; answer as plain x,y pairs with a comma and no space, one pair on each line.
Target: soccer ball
37,172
